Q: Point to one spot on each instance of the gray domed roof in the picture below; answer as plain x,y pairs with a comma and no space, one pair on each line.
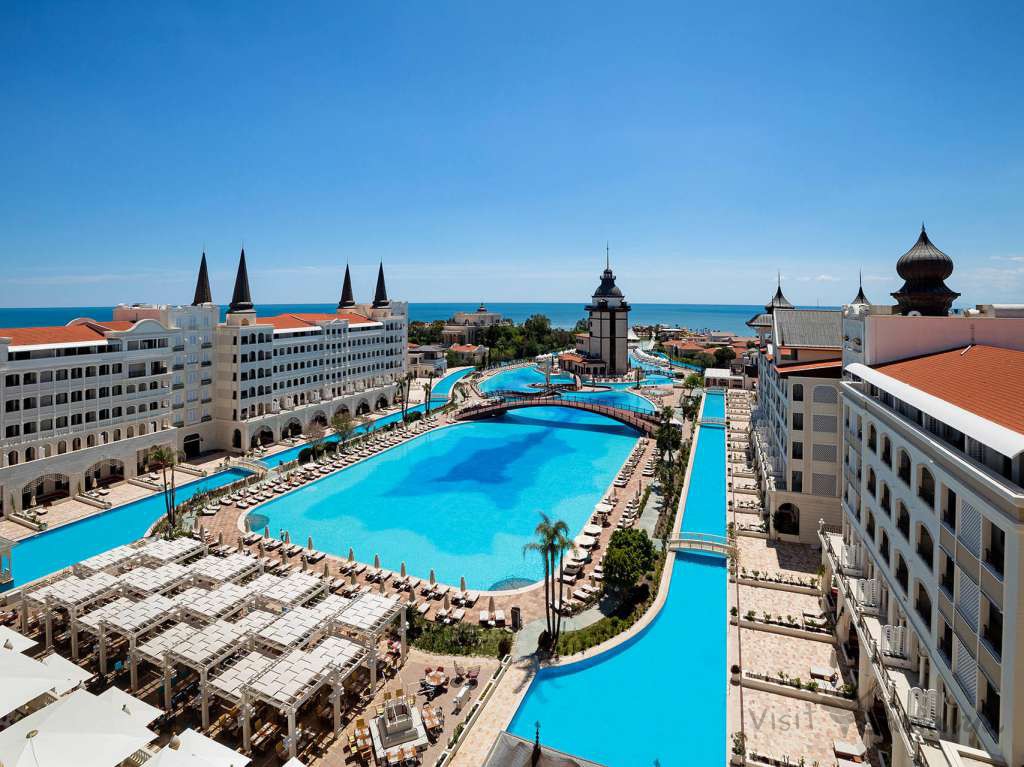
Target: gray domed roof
607,288
924,268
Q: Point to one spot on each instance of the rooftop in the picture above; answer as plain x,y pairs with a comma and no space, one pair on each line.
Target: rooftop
984,380
808,328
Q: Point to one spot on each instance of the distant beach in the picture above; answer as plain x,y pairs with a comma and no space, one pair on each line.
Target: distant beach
729,318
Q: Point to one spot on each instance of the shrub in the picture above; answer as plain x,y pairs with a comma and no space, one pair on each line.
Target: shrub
305,455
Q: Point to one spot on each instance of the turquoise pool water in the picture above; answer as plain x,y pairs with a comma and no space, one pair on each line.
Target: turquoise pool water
521,379
64,546
462,500
438,396
660,696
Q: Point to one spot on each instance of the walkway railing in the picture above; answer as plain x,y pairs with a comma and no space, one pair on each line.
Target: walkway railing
712,421
715,544
629,415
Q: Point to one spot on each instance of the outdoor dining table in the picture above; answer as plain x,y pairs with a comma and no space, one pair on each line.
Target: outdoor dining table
436,678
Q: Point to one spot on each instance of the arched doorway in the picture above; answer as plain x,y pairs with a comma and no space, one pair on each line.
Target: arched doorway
293,428
382,402
363,408
319,418
236,440
45,489
264,436
192,445
104,472
787,519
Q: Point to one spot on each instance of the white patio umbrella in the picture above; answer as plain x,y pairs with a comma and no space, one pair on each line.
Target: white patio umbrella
309,543
12,640
140,711
24,680
193,749
403,570
351,554
98,734
462,584
376,561
433,578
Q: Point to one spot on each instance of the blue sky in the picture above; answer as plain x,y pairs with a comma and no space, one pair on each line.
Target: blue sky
488,152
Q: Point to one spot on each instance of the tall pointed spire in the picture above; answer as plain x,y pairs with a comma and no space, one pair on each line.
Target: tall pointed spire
347,299
860,298
607,256
202,295
241,301
380,296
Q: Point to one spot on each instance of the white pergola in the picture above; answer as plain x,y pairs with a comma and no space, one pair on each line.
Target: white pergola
130,620
230,569
160,552
207,605
368,617
291,629
289,682
106,560
71,594
147,580
261,583
294,589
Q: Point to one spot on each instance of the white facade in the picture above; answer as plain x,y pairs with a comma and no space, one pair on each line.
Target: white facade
87,402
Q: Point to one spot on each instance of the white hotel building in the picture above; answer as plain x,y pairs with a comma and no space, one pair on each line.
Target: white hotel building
924,573
90,400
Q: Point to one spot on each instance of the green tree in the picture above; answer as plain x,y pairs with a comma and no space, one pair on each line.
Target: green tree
427,388
317,434
629,556
724,355
165,458
550,543
344,426
405,388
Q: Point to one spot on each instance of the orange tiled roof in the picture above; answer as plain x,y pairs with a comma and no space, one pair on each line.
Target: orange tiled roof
806,367
570,357
290,321
65,334
464,348
984,380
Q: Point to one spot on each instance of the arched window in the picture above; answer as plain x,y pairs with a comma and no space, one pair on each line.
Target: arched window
926,488
923,605
886,451
30,454
62,447
12,458
872,438
787,519
904,467
883,547
886,499
871,480
798,392
925,546
903,520
76,443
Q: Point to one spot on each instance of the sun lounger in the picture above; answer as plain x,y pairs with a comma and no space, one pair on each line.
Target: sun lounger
457,616
485,616
845,749
499,617
423,608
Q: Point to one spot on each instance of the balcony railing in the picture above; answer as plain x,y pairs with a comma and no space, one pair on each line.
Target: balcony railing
206,345
206,418
178,386
205,363
994,558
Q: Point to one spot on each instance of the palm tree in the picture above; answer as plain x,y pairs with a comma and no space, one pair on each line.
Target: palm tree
405,387
427,388
164,458
542,545
559,545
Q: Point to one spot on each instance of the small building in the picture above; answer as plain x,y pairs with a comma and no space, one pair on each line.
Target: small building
464,327
469,354
426,361
722,377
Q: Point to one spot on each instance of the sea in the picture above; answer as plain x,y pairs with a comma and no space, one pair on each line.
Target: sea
730,318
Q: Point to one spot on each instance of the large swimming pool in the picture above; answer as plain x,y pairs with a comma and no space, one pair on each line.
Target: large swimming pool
462,500
661,695
64,546
525,379
438,396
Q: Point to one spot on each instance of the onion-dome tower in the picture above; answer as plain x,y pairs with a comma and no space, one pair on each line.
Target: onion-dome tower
924,269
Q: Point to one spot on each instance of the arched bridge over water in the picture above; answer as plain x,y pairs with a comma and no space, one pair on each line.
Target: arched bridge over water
502,402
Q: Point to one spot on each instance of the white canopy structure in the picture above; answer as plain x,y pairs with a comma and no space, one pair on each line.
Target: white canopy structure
68,674
128,619
71,594
208,605
160,552
193,749
230,569
147,580
294,589
261,583
106,560
97,734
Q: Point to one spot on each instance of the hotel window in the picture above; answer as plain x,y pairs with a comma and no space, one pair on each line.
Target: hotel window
995,551
925,546
947,573
46,376
870,526
12,406
903,520
61,421
886,500
798,450
990,706
12,431
871,481
902,574
798,392
949,508
992,632
798,482
61,375
872,438
926,488
798,421
904,468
